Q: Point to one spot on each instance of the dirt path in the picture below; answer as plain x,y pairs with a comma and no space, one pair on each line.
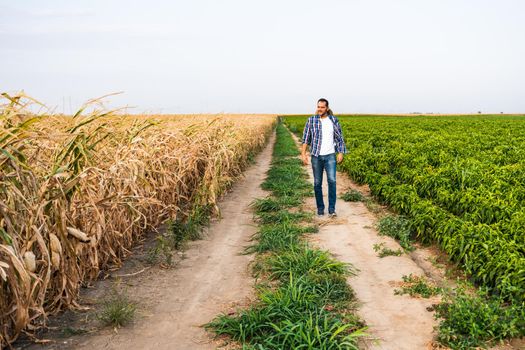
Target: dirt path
396,322
212,277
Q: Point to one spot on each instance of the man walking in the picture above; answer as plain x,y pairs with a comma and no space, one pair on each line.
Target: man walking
324,135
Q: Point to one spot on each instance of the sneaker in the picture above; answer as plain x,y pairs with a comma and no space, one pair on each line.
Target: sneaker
320,215
332,215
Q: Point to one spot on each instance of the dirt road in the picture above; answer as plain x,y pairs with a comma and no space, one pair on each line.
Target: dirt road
396,322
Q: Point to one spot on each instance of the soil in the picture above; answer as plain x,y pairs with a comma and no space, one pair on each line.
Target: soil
394,321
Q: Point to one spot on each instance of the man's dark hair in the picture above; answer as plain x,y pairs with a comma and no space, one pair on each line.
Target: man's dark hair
323,100
329,111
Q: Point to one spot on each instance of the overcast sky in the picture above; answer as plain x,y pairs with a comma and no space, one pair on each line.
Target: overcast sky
370,56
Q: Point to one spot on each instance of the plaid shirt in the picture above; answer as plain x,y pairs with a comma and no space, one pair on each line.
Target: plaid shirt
312,135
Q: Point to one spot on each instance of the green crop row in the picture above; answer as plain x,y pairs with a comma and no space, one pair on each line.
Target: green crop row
460,180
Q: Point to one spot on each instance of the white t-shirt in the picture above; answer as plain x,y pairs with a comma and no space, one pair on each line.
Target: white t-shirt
327,139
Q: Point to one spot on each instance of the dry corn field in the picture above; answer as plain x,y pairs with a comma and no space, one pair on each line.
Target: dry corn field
76,192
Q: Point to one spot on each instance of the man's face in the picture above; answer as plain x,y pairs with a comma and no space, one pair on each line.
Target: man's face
321,108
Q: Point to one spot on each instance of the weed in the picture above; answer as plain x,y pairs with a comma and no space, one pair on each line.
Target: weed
276,237
396,227
372,206
304,260
352,196
291,317
178,232
117,309
384,251
417,286
470,320
435,262
163,248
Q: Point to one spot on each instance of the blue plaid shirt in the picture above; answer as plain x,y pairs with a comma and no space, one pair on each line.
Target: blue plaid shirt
312,135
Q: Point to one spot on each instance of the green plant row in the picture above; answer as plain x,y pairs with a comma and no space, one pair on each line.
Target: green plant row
460,182
304,301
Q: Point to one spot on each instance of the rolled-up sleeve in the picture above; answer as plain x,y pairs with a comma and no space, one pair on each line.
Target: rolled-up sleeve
307,134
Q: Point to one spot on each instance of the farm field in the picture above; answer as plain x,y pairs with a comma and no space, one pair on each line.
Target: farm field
459,180
78,192
172,178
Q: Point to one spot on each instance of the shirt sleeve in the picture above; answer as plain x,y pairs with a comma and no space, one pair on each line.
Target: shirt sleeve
307,135
341,146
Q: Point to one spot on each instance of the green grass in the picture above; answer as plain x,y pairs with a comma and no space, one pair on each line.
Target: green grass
417,286
286,178
267,205
282,216
117,309
284,144
304,300
276,237
384,251
292,317
272,204
352,196
303,260
179,231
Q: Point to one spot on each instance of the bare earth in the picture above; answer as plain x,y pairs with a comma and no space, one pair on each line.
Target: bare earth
395,322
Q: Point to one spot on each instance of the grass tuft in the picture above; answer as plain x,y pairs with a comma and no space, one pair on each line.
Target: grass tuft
303,260
352,196
417,286
117,310
384,251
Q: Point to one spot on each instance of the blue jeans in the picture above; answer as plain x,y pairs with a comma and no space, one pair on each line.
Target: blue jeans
319,164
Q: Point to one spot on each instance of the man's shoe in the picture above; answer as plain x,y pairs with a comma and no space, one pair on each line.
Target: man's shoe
332,215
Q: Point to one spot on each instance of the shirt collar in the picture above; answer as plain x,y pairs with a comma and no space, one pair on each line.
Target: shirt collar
319,117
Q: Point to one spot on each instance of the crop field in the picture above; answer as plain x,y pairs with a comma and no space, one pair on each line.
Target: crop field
460,180
76,192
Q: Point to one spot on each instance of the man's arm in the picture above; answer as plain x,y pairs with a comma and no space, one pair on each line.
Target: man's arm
340,143
306,141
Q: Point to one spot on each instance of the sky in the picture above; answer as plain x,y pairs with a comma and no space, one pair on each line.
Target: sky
254,56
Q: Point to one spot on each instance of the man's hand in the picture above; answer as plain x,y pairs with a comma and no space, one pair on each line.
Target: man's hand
304,158
339,157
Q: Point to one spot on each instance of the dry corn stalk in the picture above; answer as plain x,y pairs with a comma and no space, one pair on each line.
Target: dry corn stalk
77,192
